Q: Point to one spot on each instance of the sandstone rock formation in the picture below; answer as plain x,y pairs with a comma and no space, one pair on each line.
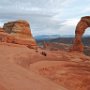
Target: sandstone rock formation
18,32
3,35
21,69
80,29
1,30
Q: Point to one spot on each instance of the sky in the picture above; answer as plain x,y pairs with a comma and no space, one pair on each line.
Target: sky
46,17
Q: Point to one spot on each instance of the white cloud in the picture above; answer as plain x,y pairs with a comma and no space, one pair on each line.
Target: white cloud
71,22
1,24
87,32
87,9
46,16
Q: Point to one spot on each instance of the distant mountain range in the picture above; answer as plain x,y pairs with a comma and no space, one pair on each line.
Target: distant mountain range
46,37
61,39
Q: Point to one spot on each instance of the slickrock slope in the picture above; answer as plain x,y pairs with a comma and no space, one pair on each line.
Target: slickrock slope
19,63
72,70
17,32
69,76
15,77
2,88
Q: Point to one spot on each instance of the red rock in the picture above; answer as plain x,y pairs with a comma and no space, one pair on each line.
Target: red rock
1,30
17,32
80,29
15,77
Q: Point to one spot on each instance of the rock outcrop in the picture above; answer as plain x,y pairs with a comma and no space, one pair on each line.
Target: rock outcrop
80,29
17,32
15,77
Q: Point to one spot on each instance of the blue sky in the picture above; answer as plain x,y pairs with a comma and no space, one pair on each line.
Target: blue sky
46,16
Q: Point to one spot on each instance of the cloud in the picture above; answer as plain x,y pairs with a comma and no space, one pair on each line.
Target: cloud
86,10
45,16
1,24
71,22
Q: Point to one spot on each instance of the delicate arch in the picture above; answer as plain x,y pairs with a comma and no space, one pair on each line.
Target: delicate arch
80,29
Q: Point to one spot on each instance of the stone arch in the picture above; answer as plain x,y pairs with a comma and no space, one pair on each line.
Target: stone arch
82,25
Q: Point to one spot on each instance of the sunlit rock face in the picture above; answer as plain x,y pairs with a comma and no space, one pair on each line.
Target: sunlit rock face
18,32
80,29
